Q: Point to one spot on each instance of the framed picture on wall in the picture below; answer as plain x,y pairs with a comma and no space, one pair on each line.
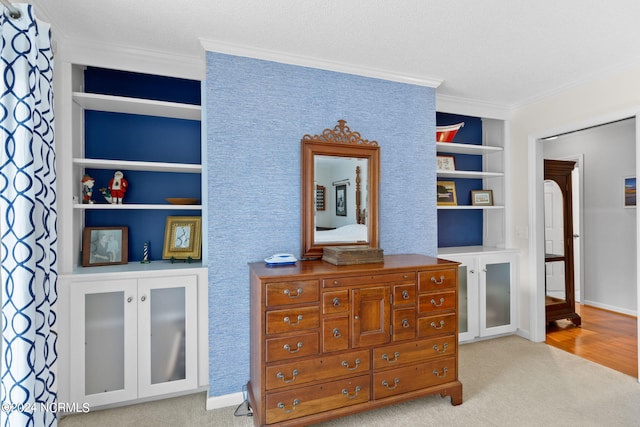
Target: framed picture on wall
105,246
446,193
341,200
630,192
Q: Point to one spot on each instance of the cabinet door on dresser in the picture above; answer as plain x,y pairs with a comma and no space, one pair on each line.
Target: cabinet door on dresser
371,316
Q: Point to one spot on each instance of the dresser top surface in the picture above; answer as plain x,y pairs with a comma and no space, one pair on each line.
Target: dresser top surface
319,267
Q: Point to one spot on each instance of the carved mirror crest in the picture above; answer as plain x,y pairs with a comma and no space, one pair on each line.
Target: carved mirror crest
348,166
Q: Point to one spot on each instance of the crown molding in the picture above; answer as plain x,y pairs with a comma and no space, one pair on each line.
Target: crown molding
120,57
305,61
472,107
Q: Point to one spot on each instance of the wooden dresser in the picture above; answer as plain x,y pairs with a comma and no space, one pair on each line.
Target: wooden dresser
328,341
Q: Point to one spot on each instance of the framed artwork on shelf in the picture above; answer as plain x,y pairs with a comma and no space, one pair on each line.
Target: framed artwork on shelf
182,238
105,246
341,200
630,192
446,163
446,193
482,197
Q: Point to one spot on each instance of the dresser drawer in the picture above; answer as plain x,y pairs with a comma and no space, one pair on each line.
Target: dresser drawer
293,292
335,302
369,279
404,294
437,280
431,326
439,301
413,377
320,369
404,323
292,319
412,352
287,405
293,346
335,334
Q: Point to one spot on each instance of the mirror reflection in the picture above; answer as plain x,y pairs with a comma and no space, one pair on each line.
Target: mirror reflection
554,240
341,199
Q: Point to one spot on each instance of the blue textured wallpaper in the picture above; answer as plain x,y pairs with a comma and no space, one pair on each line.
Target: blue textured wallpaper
256,114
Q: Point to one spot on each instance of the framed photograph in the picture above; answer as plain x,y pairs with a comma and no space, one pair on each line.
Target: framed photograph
105,246
630,192
446,193
182,238
320,197
341,200
446,163
482,197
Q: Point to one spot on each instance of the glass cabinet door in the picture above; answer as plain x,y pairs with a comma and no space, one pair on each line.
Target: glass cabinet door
498,309
103,331
467,298
168,357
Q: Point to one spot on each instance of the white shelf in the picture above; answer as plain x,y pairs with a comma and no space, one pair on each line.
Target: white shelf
456,148
137,166
469,174
137,206
146,107
469,207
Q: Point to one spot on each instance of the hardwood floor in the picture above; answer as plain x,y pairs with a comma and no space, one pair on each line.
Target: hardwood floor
605,337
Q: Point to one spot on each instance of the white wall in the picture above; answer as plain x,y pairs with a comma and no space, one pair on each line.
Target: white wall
609,243
602,100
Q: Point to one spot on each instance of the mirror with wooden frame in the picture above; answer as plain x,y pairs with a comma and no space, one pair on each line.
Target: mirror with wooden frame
340,181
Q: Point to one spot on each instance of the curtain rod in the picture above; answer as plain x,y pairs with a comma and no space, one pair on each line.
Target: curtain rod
14,12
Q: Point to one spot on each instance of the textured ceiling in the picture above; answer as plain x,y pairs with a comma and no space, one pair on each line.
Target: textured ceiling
503,52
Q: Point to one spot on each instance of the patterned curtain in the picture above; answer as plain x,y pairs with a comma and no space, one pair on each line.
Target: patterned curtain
28,234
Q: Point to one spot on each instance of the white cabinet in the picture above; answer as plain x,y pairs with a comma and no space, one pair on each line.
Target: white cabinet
134,336
487,298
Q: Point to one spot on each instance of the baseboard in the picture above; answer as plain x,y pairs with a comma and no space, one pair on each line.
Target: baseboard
224,401
610,308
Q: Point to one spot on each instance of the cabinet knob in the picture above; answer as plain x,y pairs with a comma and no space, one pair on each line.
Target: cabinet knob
336,302
129,299
143,298
405,294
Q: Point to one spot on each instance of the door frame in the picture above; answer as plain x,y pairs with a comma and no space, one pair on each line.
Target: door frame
537,325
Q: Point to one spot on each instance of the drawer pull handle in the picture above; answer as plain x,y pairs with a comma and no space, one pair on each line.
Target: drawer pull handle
436,303
294,374
287,320
437,374
288,348
395,357
351,396
436,281
444,348
288,293
434,325
296,402
346,364
405,294
405,323
405,276
336,333
395,384
336,302
335,282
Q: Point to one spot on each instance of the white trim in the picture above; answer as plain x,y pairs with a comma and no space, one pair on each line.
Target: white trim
217,402
120,57
615,309
472,107
306,61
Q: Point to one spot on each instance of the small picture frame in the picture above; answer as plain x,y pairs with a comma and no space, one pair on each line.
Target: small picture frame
482,197
630,192
446,193
341,200
182,238
105,246
446,163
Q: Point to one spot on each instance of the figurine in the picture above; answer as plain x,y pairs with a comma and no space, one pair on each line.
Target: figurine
145,253
87,189
118,186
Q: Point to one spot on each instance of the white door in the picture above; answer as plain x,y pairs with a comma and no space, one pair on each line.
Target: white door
554,238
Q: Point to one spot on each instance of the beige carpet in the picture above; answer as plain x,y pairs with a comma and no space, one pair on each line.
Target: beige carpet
506,381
